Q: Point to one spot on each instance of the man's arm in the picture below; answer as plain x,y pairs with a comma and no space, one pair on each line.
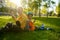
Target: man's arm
13,16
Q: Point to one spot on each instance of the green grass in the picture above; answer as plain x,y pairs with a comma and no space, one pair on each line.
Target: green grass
35,35
49,22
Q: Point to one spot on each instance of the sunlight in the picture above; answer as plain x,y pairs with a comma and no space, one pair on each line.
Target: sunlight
17,2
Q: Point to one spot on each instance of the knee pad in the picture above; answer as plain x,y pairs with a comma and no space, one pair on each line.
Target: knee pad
18,23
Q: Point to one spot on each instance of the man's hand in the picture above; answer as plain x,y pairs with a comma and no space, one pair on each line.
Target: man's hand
13,16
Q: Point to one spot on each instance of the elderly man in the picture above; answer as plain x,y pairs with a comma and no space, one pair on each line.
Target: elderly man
22,18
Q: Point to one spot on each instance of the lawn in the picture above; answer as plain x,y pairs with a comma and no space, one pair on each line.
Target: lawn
35,35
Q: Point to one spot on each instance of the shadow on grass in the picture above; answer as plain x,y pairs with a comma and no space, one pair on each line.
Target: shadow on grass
35,35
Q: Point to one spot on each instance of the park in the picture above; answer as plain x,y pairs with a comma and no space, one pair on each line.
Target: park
43,13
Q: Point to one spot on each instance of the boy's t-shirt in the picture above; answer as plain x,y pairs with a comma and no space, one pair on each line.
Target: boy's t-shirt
32,26
22,19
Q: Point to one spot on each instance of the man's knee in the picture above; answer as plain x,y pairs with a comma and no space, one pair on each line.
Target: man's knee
18,23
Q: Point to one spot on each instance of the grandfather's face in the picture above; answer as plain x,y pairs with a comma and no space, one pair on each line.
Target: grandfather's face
20,10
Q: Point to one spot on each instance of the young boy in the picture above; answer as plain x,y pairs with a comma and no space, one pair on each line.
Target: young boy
31,26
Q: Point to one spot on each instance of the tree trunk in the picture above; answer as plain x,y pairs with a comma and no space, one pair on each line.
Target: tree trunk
47,15
35,12
39,13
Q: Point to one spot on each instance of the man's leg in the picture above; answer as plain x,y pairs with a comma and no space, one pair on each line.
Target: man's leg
18,23
8,27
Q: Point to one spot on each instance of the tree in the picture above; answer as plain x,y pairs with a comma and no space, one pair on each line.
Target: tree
59,10
44,10
39,2
50,14
48,5
34,6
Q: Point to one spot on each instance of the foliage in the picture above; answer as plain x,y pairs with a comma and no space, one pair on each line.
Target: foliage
4,9
47,4
44,10
59,10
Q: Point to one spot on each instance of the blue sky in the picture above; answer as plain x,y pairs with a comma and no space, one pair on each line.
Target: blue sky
52,6
56,1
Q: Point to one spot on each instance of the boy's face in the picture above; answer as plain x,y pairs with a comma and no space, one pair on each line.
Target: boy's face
30,16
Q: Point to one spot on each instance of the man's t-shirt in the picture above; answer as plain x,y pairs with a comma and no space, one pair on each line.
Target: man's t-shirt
22,19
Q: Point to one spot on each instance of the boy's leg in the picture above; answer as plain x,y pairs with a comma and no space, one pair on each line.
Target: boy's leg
37,28
26,28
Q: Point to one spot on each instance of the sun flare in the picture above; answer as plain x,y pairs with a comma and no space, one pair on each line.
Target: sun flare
17,2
